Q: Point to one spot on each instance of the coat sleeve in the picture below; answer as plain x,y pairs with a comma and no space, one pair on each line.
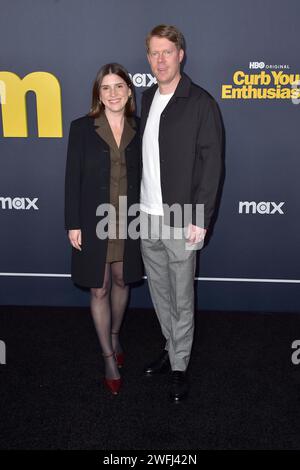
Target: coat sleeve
73,177
210,147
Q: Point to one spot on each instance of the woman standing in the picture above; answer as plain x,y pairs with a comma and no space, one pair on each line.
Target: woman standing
103,163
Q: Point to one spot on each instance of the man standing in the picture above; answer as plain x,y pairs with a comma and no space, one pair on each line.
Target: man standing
182,145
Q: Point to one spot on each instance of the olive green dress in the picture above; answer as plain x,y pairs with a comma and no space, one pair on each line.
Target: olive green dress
118,179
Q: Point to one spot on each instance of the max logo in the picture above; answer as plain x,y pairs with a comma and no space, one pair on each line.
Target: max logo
2,352
260,207
13,90
18,203
143,79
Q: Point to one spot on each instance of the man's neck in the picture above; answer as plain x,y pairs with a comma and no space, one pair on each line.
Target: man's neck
168,88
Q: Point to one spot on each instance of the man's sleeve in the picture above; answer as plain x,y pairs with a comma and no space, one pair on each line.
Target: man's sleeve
73,177
209,146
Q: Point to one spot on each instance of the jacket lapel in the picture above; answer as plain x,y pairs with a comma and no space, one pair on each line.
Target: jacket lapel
104,131
182,91
129,132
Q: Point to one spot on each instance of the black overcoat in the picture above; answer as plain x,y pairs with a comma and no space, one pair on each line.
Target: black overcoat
190,147
87,185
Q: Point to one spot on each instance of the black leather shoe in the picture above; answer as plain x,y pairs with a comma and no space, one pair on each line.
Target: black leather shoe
160,366
179,386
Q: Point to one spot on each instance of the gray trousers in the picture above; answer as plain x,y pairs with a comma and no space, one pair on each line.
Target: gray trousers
170,268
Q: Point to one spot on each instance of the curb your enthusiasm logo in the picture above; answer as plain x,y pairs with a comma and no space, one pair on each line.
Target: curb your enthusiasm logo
265,84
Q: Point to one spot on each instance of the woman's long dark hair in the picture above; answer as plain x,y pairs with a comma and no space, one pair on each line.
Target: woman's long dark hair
97,107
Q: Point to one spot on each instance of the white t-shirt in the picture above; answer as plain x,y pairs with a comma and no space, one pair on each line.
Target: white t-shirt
151,197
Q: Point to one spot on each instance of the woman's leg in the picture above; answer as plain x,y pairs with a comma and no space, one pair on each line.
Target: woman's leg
119,298
101,313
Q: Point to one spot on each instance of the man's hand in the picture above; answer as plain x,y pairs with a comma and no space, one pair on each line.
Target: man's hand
75,238
195,234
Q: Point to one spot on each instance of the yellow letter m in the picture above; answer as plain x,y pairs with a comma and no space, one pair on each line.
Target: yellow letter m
13,91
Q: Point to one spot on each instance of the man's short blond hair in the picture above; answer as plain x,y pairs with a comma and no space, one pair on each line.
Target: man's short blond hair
169,32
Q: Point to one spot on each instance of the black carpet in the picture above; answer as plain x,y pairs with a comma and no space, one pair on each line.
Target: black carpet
245,391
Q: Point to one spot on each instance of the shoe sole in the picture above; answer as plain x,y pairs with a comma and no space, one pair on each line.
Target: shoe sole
177,400
152,374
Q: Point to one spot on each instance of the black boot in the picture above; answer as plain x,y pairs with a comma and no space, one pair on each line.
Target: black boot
160,366
179,386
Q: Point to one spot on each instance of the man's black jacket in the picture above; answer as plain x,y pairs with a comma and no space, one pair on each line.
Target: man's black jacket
190,146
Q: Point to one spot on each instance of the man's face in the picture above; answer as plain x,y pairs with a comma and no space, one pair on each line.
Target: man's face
164,59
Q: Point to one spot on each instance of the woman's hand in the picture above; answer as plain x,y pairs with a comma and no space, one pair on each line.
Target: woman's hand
75,238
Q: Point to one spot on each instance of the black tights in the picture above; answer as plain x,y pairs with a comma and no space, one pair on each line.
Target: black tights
108,305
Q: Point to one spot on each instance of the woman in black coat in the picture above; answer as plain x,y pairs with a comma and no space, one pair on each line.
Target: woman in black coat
103,164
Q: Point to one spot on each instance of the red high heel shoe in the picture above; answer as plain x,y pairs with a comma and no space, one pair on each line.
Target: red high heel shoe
119,357
113,385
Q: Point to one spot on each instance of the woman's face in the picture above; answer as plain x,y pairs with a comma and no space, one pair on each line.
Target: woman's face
114,93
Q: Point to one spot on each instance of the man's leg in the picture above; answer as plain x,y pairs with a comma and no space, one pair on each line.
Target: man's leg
156,265
182,265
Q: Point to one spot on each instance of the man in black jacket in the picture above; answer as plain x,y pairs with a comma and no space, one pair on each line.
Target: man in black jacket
182,145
